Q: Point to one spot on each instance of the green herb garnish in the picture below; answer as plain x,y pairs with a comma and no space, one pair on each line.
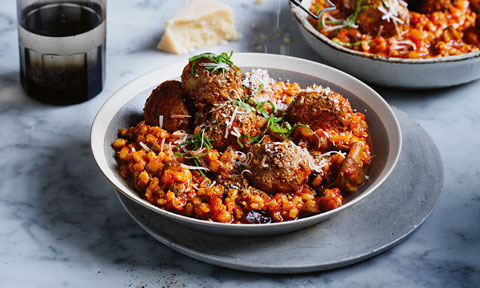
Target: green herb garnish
242,104
292,129
346,44
198,141
220,62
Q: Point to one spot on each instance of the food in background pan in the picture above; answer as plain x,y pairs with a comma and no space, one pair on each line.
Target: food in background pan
403,29
234,147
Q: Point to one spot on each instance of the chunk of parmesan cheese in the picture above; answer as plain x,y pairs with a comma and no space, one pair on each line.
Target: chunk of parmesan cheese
199,24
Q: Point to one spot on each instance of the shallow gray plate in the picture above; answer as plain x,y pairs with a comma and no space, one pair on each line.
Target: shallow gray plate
389,215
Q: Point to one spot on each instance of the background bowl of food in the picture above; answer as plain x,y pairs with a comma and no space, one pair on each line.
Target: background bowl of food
405,44
215,172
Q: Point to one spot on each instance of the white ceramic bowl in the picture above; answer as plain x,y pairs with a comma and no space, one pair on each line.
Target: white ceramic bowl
125,109
387,71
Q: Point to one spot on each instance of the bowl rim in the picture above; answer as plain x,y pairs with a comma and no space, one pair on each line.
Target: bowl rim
133,88
302,19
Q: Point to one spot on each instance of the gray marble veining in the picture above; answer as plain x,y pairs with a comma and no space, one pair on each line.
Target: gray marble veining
62,226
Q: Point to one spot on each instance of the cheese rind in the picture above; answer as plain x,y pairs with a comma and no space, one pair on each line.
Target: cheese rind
200,24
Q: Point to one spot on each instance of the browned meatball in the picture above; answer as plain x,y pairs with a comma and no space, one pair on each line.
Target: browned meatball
375,18
475,5
207,86
168,100
320,108
225,122
430,6
278,167
344,5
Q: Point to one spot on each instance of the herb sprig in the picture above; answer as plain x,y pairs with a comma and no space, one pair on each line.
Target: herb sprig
242,104
221,62
352,19
274,124
199,141
347,44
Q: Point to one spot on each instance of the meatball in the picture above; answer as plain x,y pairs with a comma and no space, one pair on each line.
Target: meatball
226,122
278,167
375,18
430,6
320,108
344,5
169,101
206,86
475,5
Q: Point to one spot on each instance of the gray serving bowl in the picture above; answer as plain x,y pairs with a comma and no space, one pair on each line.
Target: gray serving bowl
125,108
387,71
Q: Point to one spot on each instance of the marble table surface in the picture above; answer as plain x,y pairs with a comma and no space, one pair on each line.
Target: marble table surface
62,226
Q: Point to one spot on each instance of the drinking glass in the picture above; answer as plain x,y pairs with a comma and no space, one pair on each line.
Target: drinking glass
62,49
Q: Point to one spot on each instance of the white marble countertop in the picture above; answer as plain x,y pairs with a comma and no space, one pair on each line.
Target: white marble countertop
62,226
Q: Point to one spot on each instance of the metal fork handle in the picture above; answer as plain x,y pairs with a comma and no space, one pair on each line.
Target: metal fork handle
298,3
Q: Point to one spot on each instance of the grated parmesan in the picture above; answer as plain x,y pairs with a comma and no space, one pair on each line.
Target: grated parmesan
229,123
194,167
392,13
145,146
245,171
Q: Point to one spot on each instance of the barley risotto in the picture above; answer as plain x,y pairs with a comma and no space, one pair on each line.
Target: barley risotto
233,147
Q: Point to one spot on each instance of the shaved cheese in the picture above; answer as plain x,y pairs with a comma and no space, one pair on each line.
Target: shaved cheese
333,19
235,132
229,123
194,167
403,44
329,153
236,93
161,145
203,134
264,161
380,30
246,171
145,147
180,116
160,121
260,142
243,159
392,12
218,108
197,152
258,77
317,88
185,138
181,132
